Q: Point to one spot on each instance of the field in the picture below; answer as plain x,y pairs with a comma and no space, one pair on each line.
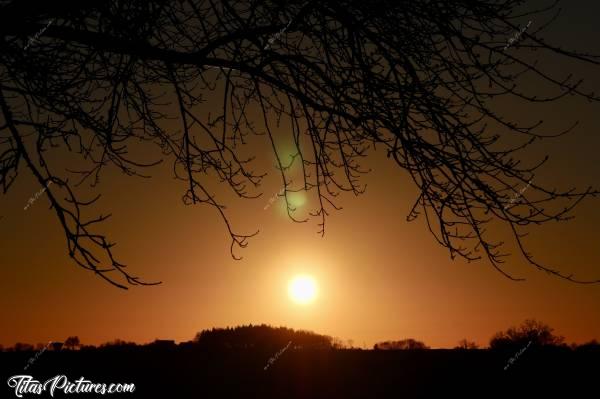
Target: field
187,372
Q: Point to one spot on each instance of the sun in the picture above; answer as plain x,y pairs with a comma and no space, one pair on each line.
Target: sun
302,289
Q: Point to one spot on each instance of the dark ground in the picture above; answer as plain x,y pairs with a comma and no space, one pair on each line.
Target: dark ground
303,373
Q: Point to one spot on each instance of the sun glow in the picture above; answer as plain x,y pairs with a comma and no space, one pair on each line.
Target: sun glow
302,289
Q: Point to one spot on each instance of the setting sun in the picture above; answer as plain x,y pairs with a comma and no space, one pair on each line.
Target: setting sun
302,289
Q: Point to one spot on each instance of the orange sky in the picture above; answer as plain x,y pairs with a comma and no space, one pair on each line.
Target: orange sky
379,277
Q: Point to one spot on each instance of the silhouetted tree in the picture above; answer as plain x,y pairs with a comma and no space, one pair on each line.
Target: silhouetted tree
465,344
416,79
72,342
538,333
337,343
404,344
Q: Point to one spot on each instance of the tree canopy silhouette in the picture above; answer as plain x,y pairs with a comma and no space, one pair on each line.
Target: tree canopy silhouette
72,342
465,344
404,344
536,332
262,336
416,79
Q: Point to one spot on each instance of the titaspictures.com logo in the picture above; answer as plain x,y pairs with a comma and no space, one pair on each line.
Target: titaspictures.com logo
26,384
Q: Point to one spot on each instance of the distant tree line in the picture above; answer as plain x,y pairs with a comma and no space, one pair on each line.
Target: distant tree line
71,343
405,344
263,336
529,333
241,337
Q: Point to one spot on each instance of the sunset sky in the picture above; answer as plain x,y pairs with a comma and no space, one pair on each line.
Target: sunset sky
378,277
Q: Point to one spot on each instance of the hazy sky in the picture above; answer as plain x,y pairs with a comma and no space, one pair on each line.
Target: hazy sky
379,277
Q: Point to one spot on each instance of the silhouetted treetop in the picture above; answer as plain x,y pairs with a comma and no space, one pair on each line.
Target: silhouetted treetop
72,342
536,332
466,344
262,336
404,344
